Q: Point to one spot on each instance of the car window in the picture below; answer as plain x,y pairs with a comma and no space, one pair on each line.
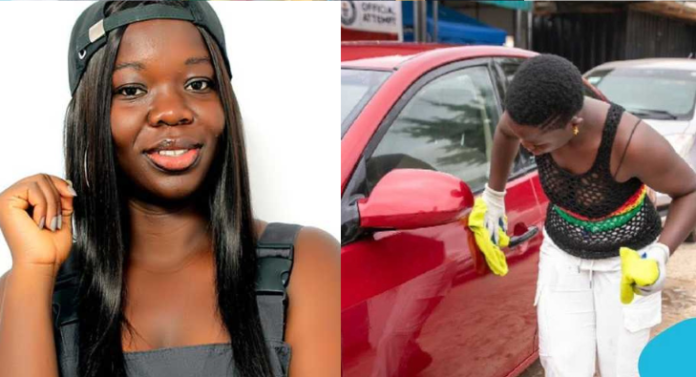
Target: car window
357,87
524,160
650,93
509,67
446,126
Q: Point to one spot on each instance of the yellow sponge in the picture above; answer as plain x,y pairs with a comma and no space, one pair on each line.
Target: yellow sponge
635,271
495,258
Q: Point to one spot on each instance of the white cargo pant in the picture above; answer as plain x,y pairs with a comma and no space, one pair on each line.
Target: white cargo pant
582,322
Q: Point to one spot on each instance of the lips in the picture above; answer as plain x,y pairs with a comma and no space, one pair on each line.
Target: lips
174,144
174,154
174,160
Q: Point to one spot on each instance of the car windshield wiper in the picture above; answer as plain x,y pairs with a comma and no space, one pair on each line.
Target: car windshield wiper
649,112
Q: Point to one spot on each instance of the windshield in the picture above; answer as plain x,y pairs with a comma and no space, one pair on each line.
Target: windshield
357,87
649,93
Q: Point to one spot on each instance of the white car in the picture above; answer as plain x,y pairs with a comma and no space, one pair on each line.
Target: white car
660,91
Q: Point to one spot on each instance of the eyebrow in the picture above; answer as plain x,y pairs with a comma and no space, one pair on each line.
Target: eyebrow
198,60
135,65
140,66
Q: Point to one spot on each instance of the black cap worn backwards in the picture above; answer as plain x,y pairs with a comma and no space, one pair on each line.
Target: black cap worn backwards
91,28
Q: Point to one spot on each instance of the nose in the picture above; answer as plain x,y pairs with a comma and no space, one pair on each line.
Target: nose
169,108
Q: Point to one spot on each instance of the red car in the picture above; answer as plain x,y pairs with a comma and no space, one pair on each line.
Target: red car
416,135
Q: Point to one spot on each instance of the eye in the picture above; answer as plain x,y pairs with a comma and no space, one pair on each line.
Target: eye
129,91
200,85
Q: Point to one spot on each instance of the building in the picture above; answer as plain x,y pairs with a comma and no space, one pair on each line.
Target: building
592,33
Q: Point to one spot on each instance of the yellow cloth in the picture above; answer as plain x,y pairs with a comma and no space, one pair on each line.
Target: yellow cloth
635,271
495,258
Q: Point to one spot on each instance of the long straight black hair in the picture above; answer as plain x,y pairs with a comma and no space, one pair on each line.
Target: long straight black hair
101,223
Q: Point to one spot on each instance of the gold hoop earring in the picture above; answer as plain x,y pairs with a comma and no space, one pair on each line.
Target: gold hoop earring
576,130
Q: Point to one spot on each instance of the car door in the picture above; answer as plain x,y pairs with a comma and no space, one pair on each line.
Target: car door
421,301
525,164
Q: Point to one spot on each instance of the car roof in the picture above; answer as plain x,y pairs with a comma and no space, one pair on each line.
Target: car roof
392,56
386,63
664,63
371,49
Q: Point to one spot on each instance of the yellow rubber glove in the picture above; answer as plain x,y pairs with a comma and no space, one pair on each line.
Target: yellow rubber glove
635,271
495,258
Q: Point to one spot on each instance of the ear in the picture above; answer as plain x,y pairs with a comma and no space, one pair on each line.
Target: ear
576,120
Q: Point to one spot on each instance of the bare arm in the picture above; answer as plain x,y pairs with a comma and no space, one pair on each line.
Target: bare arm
314,314
653,160
505,147
27,347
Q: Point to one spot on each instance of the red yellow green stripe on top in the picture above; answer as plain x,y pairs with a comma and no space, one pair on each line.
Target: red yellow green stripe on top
614,220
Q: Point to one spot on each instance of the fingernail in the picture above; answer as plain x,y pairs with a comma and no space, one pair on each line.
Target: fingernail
42,222
60,222
54,223
71,189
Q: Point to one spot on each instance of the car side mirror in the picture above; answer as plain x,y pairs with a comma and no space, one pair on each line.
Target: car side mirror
415,198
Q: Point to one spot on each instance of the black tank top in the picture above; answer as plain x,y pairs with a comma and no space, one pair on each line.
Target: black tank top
275,251
590,215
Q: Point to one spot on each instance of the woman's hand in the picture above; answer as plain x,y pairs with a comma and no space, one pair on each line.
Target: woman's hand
35,218
494,218
644,271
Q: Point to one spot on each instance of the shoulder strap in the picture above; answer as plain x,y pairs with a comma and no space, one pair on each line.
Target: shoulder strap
275,252
64,306
626,148
608,135
65,292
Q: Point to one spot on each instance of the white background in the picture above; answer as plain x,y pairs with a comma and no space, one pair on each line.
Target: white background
284,58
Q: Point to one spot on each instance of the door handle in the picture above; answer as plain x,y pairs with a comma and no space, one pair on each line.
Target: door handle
517,240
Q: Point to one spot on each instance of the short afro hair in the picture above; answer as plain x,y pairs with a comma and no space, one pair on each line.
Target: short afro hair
546,92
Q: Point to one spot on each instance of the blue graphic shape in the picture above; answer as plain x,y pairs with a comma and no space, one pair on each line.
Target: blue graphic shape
671,353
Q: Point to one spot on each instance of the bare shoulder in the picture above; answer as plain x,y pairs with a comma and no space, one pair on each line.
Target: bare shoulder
635,142
316,250
651,158
314,312
634,129
259,227
644,135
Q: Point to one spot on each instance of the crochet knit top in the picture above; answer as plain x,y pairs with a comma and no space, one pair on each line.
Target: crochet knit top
590,215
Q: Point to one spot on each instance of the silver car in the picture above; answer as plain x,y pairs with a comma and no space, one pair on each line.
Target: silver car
660,91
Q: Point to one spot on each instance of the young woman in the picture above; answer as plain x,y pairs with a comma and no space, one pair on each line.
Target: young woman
595,163
155,225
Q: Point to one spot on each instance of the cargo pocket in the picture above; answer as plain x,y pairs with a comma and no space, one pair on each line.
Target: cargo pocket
548,274
566,282
643,313
547,269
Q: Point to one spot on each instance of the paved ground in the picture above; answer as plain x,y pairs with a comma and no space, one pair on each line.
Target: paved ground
678,298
